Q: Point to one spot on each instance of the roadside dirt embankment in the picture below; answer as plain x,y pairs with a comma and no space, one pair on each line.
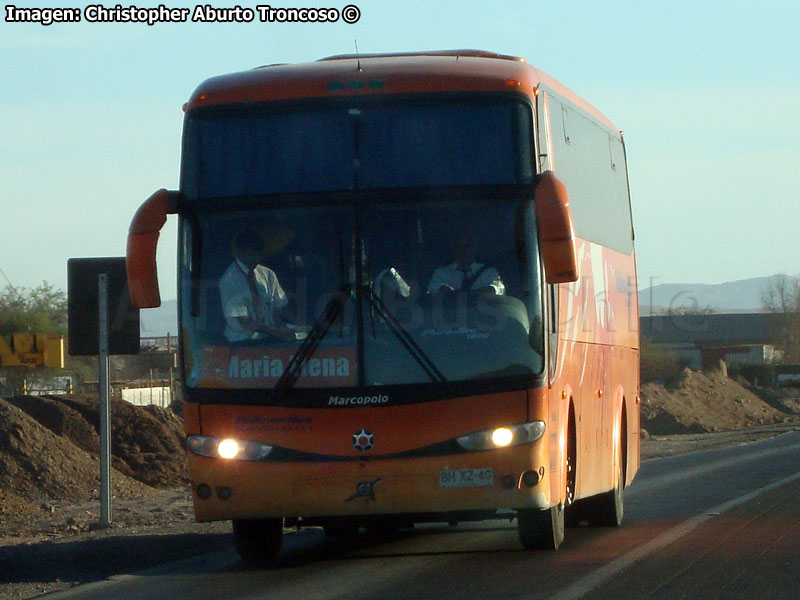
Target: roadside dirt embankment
702,402
49,451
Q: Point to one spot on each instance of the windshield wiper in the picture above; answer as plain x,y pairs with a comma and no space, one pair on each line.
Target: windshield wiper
310,344
333,309
408,342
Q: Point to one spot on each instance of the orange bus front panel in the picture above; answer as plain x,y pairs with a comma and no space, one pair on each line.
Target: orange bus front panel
329,431
242,489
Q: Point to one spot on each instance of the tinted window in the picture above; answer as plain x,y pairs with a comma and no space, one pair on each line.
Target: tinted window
449,144
357,147
279,152
488,325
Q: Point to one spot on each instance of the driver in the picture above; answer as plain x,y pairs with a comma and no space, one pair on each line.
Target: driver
464,273
253,301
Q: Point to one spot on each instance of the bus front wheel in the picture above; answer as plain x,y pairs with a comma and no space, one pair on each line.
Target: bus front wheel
541,529
607,510
257,540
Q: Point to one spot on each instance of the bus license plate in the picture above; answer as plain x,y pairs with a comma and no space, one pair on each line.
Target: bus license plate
460,478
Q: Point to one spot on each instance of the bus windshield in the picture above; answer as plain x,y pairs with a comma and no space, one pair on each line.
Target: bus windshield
369,293
357,145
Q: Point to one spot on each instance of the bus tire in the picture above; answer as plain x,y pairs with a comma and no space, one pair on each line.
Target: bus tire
575,514
257,540
607,509
541,529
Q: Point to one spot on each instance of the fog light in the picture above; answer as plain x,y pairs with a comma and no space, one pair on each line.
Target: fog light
223,493
530,478
508,482
203,491
502,436
228,448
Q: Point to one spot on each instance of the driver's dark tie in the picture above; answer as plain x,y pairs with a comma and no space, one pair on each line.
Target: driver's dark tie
465,277
257,306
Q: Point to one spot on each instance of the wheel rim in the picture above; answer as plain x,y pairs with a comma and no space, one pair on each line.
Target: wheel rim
569,495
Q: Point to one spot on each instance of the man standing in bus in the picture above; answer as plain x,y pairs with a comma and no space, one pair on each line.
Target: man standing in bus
253,301
465,274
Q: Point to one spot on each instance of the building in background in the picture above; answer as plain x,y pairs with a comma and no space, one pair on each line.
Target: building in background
702,340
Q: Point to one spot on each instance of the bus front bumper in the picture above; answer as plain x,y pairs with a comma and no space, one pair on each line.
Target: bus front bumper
507,478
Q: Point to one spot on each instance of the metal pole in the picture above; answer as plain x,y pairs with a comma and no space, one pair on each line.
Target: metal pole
105,441
171,387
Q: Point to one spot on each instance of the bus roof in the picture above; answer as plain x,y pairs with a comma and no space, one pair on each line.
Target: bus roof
381,74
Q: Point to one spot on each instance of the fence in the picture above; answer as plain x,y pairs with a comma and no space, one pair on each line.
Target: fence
153,343
160,396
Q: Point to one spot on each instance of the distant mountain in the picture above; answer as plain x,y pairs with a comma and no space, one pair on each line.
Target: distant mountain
158,322
733,296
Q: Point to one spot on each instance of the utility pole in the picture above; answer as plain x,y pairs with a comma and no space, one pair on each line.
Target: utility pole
105,420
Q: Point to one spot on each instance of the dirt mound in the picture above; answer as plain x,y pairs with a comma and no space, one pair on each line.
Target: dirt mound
37,464
700,402
785,399
150,440
13,505
147,442
61,420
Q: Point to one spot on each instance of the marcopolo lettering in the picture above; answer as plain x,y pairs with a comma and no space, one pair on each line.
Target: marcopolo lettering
357,400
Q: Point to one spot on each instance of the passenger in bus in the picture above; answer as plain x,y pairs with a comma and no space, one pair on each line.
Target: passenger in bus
464,273
253,301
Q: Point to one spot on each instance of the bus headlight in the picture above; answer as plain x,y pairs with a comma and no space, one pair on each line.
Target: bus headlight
227,448
502,437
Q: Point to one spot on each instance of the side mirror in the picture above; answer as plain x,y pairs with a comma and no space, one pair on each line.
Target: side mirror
142,243
556,232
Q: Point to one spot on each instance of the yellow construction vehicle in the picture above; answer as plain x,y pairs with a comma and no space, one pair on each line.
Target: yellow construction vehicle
32,350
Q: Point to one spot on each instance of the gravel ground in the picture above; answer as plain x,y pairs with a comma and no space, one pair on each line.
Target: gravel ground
659,446
61,545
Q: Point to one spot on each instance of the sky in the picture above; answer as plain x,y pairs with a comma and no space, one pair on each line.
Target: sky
707,94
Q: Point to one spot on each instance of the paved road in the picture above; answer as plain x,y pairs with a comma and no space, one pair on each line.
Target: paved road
716,524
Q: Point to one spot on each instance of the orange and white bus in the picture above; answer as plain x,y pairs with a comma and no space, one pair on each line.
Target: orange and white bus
406,293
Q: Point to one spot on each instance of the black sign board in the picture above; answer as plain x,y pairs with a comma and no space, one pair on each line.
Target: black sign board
83,307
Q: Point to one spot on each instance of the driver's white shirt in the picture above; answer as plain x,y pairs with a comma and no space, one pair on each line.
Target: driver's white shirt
237,299
453,276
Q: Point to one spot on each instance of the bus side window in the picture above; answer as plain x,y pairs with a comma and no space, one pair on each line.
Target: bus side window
543,132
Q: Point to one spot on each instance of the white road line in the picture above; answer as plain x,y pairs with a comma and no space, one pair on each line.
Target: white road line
592,580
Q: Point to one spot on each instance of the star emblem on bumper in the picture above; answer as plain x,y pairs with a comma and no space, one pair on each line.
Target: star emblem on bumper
363,440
